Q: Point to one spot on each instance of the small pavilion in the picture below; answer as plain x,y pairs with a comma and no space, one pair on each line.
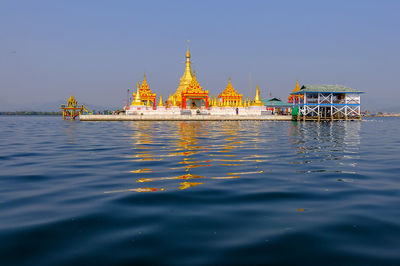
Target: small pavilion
294,97
72,110
195,93
276,105
145,93
230,97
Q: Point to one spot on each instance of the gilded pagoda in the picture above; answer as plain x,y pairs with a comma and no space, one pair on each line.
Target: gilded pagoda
185,80
146,96
257,99
195,93
189,89
230,97
190,98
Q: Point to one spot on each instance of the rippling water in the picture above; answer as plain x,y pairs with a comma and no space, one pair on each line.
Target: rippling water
106,193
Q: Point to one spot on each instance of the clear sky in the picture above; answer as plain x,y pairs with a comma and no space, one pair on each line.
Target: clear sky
96,50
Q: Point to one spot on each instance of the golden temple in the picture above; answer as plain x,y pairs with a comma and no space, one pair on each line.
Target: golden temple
194,92
191,95
145,94
230,97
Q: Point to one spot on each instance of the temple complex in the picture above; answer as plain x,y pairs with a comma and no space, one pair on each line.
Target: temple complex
190,98
191,101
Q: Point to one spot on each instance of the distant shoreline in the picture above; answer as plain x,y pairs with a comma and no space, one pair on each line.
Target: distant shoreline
384,115
31,113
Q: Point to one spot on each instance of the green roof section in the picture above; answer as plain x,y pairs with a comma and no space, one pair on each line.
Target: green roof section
275,102
327,89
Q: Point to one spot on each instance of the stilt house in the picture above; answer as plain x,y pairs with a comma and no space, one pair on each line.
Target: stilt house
326,102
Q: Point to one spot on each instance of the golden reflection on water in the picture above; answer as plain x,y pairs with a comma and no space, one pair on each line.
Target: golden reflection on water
226,155
190,166
143,189
225,177
179,150
186,161
140,155
185,185
144,170
147,159
184,153
187,176
246,173
189,140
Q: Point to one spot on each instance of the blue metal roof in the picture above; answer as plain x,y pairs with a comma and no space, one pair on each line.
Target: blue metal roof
326,89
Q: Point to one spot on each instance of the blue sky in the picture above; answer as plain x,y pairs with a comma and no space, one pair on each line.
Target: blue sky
96,50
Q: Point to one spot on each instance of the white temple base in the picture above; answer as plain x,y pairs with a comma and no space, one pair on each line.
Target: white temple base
230,111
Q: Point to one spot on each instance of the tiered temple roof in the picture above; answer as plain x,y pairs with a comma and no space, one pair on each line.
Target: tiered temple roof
193,91
194,87
145,92
230,96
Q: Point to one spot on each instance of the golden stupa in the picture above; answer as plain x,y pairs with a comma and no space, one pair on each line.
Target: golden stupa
161,103
137,100
257,99
186,78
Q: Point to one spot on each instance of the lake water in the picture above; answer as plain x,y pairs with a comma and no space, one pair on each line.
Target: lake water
199,193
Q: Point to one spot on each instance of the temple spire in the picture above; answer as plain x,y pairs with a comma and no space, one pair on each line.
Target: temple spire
161,103
144,83
188,53
186,77
138,99
297,86
257,99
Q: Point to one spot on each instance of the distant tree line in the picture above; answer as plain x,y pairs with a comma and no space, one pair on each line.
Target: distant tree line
30,113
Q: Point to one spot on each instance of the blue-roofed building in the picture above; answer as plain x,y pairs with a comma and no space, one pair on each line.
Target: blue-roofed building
327,102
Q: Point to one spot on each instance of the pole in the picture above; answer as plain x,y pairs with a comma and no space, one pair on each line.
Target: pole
127,98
